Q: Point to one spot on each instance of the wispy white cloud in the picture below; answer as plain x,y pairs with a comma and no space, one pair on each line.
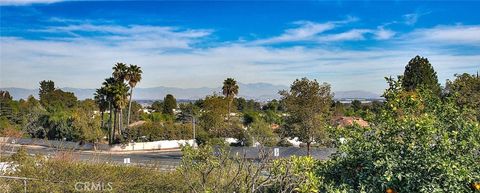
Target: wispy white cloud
131,30
139,36
354,34
26,2
308,31
383,34
447,35
84,60
412,18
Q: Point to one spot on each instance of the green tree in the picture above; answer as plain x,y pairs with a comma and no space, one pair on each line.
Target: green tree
338,108
420,73
6,109
262,133
272,117
86,125
418,144
241,103
134,75
58,126
272,105
115,91
136,112
230,90
213,119
189,111
100,97
46,87
32,111
466,91
169,104
108,90
308,105
120,93
120,72
250,117
55,99
356,105
157,106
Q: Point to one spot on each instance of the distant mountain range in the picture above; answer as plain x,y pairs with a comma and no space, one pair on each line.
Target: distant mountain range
257,91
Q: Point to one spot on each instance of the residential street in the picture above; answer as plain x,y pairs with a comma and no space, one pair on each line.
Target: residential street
165,159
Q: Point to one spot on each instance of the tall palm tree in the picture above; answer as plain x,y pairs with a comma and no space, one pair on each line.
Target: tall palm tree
108,87
100,97
230,90
120,95
120,71
134,75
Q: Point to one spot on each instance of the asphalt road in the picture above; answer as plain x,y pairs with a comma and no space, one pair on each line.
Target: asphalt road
164,158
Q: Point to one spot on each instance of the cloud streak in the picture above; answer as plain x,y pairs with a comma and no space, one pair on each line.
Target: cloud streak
26,2
169,56
308,31
138,36
453,35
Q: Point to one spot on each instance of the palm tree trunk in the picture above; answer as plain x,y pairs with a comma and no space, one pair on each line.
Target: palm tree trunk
115,125
129,107
102,122
110,128
229,107
120,122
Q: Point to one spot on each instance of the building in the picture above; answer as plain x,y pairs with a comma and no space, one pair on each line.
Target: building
343,121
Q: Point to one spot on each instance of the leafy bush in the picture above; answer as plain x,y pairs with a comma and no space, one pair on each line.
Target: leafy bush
63,175
206,170
284,143
154,131
418,144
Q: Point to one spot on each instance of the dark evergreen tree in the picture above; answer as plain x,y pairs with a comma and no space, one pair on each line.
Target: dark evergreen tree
6,105
356,105
465,90
46,88
169,103
420,73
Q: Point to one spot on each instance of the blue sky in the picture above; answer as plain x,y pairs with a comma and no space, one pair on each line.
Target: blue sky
350,44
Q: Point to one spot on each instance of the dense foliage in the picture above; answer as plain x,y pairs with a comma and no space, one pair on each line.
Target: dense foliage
420,143
420,73
308,104
169,104
419,140
63,173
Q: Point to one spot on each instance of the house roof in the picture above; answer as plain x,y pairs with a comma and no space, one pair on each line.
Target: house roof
349,121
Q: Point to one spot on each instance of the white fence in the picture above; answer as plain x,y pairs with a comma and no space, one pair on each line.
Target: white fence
154,145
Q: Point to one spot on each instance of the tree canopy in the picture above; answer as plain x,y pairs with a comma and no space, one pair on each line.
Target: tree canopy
169,104
308,106
420,73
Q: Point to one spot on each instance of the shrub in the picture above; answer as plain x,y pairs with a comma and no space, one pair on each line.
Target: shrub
206,170
63,175
154,131
418,144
